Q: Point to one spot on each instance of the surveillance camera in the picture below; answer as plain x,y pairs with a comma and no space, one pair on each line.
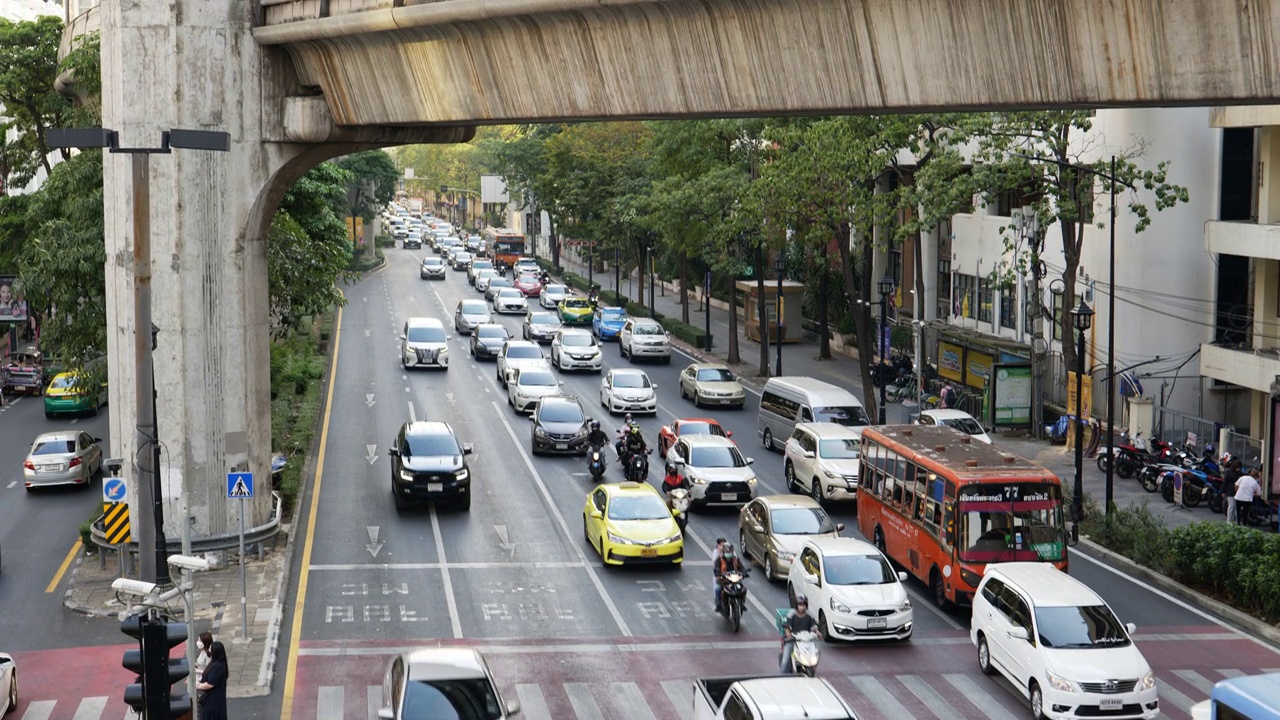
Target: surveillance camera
187,562
113,465
137,588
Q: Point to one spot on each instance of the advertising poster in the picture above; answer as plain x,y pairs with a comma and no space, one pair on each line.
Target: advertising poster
978,369
13,306
951,361
1012,395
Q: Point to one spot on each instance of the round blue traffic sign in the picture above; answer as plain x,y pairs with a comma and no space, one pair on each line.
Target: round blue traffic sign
113,490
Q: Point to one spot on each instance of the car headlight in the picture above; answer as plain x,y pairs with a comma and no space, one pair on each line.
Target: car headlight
752,481
444,354
620,540
832,475
539,432
905,606
674,538
785,557
697,480
462,474
405,475
1148,681
1057,682
580,434
840,607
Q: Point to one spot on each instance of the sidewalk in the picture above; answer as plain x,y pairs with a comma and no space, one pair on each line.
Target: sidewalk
802,359
216,605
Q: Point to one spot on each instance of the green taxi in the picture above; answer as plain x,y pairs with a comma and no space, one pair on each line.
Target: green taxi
575,311
68,393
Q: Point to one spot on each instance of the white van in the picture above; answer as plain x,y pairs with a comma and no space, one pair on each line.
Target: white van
790,400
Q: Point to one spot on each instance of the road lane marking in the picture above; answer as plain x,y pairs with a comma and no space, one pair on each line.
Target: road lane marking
564,526
66,563
90,708
39,710
680,693
533,706
329,701
872,688
924,693
595,648
1185,606
1196,680
584,703
629,697
11,485
450,601
978,697
373,694
300,597
413,413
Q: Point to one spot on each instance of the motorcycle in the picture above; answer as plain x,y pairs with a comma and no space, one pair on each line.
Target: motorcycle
733,598
678,502
804,653
595,465
637,467
594,299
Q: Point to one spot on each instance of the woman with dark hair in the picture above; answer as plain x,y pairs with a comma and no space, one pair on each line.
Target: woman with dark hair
212,688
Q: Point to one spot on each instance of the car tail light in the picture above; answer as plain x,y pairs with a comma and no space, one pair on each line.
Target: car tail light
75,462
29,465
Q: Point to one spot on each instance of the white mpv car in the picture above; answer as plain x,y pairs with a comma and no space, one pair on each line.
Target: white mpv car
1060,644
852,589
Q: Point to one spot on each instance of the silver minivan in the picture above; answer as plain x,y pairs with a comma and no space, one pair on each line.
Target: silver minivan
786,401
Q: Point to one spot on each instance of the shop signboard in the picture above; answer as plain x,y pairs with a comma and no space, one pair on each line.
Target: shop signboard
977,369
951,361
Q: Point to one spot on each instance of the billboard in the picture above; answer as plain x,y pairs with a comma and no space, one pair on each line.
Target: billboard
951,361
13,306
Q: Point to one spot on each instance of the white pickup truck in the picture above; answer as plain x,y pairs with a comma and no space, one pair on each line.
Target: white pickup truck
770,697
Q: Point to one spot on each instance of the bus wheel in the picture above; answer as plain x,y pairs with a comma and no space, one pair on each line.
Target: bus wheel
939,590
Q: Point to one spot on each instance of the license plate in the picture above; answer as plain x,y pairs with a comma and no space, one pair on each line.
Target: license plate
562,446
53,468
1111,704
729,497
876,623
435,487
649,552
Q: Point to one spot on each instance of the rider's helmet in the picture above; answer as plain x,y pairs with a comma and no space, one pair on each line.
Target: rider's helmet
726,551
595,424
671,469
802,601
635,431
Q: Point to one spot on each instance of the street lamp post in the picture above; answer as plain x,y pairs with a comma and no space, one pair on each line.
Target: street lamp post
152,557
780,267
617,273
1083,318
885,286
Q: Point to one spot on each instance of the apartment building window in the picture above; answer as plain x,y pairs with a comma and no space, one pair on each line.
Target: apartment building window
986,299
1009,307
964,295
1057,317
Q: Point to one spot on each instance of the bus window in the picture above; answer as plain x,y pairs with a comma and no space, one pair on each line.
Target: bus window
933,501
949,522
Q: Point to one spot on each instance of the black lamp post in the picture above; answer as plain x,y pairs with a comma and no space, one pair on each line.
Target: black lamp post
617,274
780,267
1082,317
885,286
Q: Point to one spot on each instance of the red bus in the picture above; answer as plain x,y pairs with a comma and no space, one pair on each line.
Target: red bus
504,245
942,505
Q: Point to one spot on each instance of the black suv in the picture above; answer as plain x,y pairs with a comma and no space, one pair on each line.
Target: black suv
559,426
487,340
428,464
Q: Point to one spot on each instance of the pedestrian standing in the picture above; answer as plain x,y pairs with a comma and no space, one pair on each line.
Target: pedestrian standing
1229,478
947,396
203,643
213,685
1247,488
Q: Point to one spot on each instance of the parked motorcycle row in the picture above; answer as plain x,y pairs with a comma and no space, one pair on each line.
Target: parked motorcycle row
1161,467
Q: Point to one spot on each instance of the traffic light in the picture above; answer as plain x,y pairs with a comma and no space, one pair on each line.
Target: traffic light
149,694
444,189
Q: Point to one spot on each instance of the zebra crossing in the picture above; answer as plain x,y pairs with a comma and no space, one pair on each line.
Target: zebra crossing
927,696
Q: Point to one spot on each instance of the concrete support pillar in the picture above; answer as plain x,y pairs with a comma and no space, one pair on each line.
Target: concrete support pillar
194,64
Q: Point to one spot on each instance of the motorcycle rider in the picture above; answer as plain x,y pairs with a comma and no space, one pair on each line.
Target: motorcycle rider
597,438
673,480
798,620
634,444
728,562
627,424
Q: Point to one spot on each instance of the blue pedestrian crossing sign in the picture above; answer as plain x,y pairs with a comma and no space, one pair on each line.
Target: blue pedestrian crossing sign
240,485
113,490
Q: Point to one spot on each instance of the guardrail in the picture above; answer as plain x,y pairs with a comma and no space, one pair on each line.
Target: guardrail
216,543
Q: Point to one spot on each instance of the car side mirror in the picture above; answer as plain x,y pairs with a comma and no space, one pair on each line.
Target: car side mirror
597,514
468,448
1018,633
386,713
655,387
533,419
751,461
1131,628
728,433
448,337
393,452
401,336
97,440
813,579
839,527
513,707
757,528
902,576
560,382
808,454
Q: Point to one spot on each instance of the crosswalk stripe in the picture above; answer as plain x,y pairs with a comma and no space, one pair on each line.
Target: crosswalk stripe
1231,673
925,694
1173,696
90,708
680,693
373,693
873,690
39,710
329,701
584,703
631,701
976,695
532,705
1197,680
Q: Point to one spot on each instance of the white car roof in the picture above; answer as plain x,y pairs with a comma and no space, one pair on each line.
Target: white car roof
444,664
694,441
424,322
831,430
1047,585
945,414
628,371
842,546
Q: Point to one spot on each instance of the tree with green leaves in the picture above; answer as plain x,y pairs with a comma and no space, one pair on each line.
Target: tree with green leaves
375,168
28,68
1041,155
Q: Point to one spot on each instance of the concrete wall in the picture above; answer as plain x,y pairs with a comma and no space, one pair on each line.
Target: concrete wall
1164,275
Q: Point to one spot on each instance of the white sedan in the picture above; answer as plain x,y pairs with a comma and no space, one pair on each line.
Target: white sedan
551,295
628,390
955,419
510,300
852,589
530,385
8,684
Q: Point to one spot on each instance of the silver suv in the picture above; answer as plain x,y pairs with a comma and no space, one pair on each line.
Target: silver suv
423,343
644,338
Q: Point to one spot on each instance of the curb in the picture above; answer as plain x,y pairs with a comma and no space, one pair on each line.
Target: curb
72,583
1225,612
267,670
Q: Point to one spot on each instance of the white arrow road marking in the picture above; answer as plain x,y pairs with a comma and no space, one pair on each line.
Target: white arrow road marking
504,541
367,332
364,299
368,400
374,546
449,396
372,455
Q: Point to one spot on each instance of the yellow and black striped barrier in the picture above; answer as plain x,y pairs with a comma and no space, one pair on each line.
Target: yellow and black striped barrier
115,522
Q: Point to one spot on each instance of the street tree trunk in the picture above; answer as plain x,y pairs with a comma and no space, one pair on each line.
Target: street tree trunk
733,358
861,317
684,289
554,239
824,281
762,318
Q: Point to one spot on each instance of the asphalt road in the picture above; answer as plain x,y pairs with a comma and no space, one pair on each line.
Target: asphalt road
37,531
514,573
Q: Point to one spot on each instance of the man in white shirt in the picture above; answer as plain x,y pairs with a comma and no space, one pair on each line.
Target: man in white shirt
1247,488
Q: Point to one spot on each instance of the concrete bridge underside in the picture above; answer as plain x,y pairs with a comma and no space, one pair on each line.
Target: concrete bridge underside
401,62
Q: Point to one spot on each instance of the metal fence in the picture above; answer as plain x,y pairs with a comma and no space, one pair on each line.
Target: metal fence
1247,449
1179,428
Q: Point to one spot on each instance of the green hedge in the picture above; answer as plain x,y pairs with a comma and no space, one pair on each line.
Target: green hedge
1233,564
297,372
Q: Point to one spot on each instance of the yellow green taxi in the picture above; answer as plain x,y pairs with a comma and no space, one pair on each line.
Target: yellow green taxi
575,311
72,392
629,523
